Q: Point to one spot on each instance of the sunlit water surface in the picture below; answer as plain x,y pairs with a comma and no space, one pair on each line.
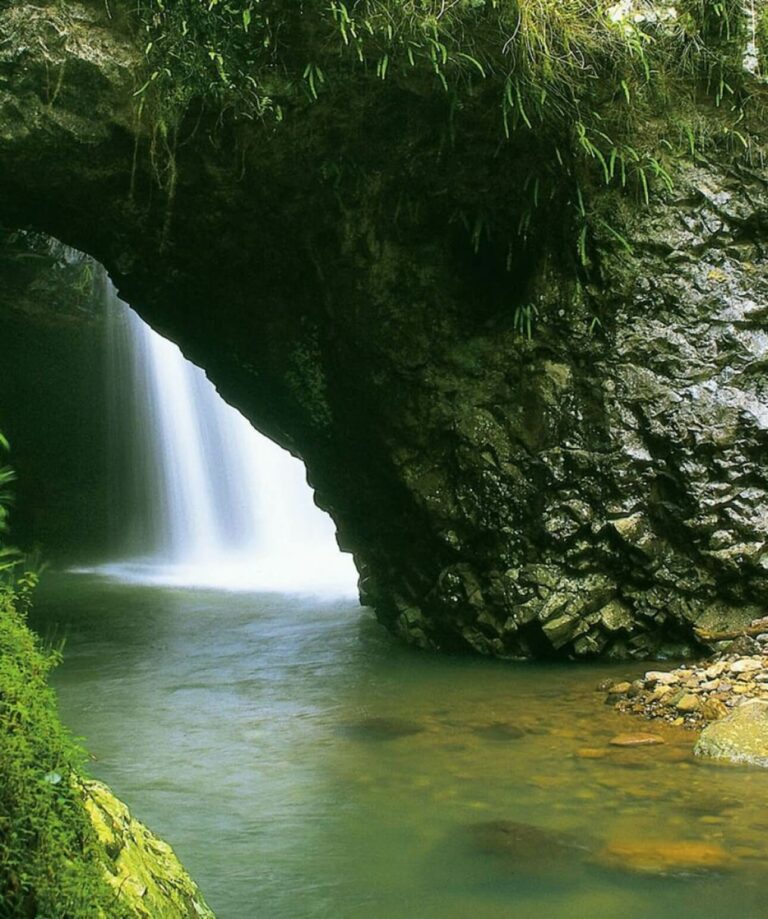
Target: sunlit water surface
241,728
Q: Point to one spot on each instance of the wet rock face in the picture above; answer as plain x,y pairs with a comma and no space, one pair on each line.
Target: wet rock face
603,494
597,490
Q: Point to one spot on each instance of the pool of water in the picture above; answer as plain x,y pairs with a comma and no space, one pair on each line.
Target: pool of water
303,763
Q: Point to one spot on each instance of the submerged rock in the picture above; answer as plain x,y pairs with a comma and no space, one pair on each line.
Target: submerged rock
377,729
147,877
636,740
663,857
500,730
526,846
740,737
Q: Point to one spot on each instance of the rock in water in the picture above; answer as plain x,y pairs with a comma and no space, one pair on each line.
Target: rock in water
664,857
381,729
147,878
636,740
500,730
525,846
741,737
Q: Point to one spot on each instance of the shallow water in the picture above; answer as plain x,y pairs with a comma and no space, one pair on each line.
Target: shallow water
302,763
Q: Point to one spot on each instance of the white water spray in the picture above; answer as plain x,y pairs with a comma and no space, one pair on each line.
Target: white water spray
207,500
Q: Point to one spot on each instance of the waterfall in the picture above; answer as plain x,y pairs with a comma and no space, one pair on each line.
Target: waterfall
200,497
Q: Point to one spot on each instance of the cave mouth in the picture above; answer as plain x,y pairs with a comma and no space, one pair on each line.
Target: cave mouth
187,492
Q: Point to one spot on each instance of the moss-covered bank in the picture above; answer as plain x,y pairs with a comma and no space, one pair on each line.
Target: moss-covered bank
68,847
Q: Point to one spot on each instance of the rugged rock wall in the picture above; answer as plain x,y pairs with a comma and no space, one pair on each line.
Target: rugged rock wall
598,488
53,401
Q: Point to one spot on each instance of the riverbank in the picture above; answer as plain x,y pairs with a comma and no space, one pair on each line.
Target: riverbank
68,847
696,694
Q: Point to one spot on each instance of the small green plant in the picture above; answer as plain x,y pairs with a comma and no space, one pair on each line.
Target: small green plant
10,558
524,319
50,859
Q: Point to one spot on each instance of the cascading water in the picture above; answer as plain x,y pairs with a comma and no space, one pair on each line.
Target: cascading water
202,499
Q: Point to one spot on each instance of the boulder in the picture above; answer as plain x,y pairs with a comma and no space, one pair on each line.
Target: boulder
664,857
146,875
740,737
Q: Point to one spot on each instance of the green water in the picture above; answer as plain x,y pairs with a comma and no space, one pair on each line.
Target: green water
302,763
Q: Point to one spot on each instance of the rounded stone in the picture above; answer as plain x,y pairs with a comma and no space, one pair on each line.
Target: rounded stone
740,737
713,709
745,665
662,677
688,703
636,740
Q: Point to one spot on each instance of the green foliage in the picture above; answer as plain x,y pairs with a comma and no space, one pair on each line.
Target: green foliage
761,36
49,864
718,23
10,558
551,61
598,98
524,319
571,71
35,267
50,860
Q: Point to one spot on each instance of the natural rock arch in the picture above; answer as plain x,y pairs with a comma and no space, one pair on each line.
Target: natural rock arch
596,488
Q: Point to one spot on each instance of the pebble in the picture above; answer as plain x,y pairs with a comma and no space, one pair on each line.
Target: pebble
380,729
683,696
525,847
591,753
713,709
689,703
636,740
661,676
745,665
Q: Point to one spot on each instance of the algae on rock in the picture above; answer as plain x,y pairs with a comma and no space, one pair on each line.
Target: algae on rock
143,870
68,848
740,737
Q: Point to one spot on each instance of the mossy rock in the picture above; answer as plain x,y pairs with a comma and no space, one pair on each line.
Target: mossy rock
143,870
741,737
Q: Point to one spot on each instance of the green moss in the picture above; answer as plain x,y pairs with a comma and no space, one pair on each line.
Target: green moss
50,858
306,379
720,23
599,97
550,62
761,34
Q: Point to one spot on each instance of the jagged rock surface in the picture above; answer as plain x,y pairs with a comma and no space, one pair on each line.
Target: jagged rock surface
595,490
148,879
